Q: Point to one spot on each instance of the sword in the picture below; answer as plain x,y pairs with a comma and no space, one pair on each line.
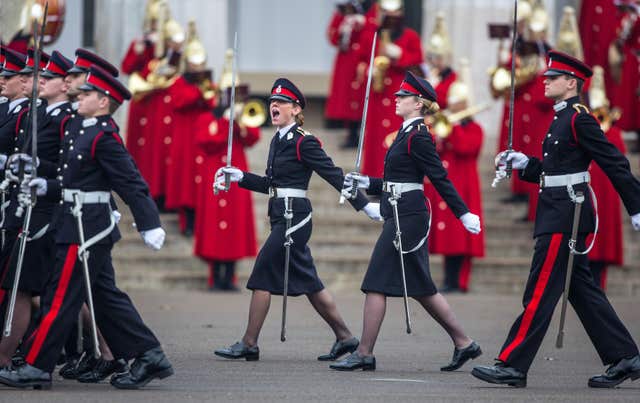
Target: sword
579,199
84,257
232,108
32,127
288,216
393,200
363,124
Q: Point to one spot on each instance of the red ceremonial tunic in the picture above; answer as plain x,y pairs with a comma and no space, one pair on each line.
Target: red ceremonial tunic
346,93
225,225
185,156
627,98
447,77
381,115
459,154
609,242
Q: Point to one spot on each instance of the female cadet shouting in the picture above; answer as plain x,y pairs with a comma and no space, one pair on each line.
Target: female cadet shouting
411,156
294,155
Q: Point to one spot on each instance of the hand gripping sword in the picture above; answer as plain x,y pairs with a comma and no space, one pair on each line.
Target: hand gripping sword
232,109
393,200
579,199
84,257
32,128
363,124
288,241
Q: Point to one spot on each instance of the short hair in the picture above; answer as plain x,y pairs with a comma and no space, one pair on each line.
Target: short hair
113,104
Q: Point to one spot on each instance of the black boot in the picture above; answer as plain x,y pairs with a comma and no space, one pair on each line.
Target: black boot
355,361
190,218
229,273
102,370
150,365
25,376
239,350
452,265
626,368
461,356
501,374
352,136
339,349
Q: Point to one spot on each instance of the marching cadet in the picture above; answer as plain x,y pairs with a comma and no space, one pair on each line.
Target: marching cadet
226,216
459,145
294,155
98,163
4,101
411,156
398,49
608,250
12,88
346,92
572,142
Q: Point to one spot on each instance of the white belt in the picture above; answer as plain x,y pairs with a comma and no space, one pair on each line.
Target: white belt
399,188
548,181
86,197
287,192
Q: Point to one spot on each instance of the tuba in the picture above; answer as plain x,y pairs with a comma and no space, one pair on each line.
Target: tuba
254,113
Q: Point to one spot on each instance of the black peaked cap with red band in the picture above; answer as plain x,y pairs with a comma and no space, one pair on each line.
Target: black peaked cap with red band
285,90
1,56
561,63
13,62
416,86
31,61
57,66
102,81
86,59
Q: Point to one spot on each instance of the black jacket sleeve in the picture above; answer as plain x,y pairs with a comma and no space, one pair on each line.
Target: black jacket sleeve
533,170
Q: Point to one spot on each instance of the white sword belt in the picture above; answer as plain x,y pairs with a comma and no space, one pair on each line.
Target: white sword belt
96,197
287,192
552,181
398,188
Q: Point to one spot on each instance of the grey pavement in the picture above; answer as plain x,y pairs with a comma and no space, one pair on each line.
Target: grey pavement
192,324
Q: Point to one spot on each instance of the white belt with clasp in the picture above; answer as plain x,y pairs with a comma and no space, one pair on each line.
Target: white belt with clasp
287,192
551,181
96,197
398,188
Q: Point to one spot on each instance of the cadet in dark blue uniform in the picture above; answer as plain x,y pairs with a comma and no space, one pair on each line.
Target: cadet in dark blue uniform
98,163
294,155
4,101
12,88
411,156
573,141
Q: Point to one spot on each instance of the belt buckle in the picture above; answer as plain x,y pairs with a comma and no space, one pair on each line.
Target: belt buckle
542,181
272,192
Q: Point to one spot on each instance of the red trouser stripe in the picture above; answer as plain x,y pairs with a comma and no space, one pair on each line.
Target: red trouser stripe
58,298
4,274
532,306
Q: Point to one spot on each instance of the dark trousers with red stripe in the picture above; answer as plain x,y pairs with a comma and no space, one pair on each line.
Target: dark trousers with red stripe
121,325
544,289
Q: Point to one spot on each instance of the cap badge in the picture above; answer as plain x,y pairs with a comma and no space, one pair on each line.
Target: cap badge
549,64
279,89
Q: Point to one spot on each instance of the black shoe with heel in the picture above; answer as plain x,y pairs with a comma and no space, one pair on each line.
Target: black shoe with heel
239,350
355,361
462,355
340,348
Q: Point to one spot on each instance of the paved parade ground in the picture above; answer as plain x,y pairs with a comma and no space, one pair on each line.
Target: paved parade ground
191,324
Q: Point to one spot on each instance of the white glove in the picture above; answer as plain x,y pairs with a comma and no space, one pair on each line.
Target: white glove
372,210
363,182
3,161
518,159
154,238
471,222
393,51
116,216
14,163
235,175
635,221
40,184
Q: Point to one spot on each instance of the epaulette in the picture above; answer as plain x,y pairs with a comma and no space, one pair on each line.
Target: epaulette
303,132
581,108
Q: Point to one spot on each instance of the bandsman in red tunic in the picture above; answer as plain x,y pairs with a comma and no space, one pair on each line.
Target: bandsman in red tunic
225,225
459,147
346,94
440,75
192,95
398,49
608,247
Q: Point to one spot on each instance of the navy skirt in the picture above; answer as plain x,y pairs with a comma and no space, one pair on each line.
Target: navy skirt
38,261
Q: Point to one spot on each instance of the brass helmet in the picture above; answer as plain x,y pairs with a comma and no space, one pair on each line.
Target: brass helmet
568,40
153,12
597,93
226,77
524,10
439,43
173,31
460,90
194,52
391,5
539,21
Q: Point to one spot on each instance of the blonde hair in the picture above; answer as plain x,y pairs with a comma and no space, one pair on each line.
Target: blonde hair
428,107
299,119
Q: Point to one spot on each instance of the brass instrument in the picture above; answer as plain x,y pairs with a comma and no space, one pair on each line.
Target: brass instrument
254,113
382,62
599,102
500,77
568,40
443,122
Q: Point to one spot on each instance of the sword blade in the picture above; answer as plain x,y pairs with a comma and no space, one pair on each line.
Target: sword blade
513,85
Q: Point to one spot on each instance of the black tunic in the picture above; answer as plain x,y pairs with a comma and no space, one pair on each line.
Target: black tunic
411,156
291,162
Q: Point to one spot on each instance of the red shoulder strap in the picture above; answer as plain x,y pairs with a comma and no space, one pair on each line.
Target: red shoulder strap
573,126
94,144
19,121
63,125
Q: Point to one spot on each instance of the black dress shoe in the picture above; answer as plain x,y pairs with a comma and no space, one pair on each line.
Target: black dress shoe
626,368
239,350
461,356
150,365
102,370
501,374
340,348
25,376
355,361
17,361
75,367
